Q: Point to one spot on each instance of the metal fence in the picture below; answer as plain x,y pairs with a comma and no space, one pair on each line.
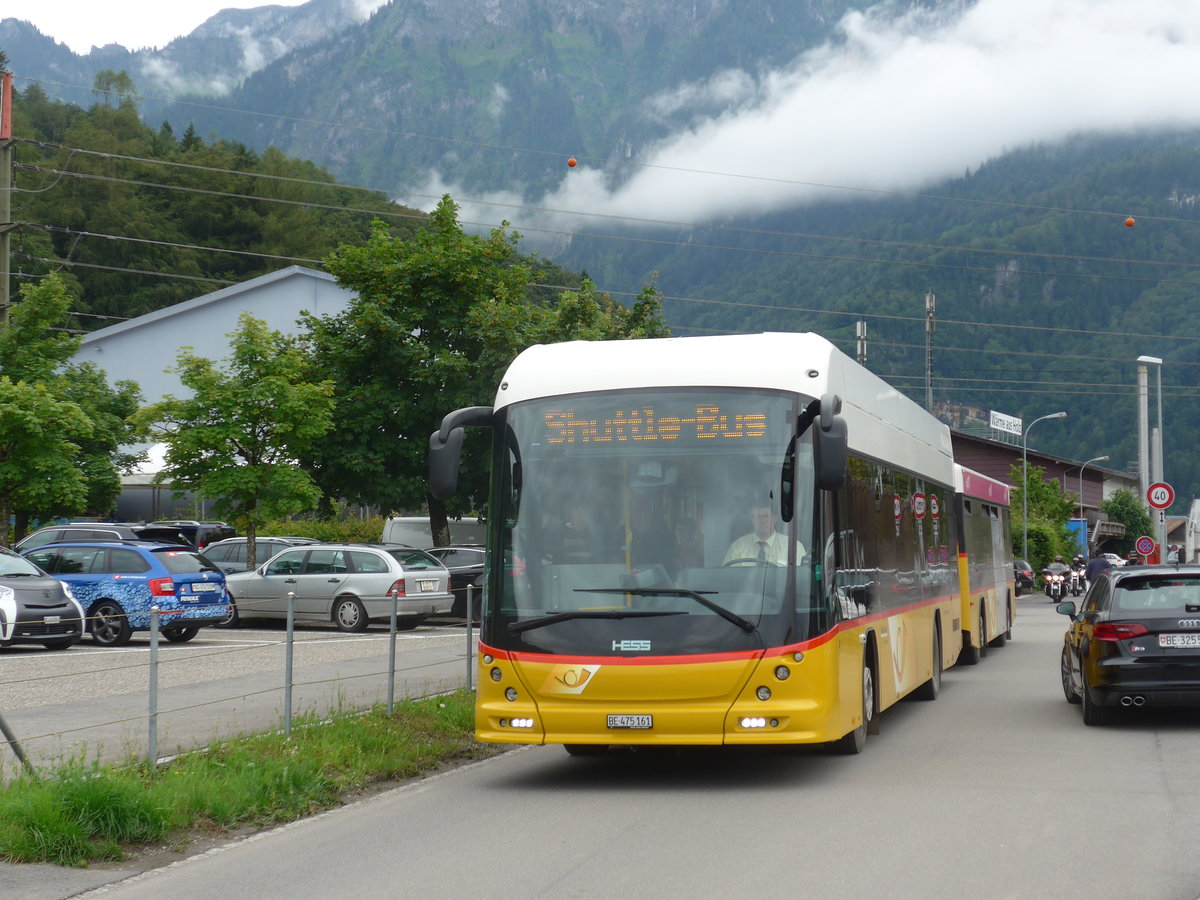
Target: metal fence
427,684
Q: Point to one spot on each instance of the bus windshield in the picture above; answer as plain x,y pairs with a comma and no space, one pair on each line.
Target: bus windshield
652,522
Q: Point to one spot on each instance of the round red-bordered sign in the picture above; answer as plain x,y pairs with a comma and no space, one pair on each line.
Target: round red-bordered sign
1160,495
918,503
1144,545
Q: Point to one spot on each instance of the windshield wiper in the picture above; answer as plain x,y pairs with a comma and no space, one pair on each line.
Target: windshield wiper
721,611
518,627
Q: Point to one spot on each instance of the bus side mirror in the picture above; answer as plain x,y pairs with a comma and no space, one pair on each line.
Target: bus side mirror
830,445
445,448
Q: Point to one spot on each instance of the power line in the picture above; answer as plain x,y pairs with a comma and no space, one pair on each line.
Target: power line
644,221
631,164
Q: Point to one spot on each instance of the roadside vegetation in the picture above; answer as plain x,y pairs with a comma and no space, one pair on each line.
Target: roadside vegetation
81,814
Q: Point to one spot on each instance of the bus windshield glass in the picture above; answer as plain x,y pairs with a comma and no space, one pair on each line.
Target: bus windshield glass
654,522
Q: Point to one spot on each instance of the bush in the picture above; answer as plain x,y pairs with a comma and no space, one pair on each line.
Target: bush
369,529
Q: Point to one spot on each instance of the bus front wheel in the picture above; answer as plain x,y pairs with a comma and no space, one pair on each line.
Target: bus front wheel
855,741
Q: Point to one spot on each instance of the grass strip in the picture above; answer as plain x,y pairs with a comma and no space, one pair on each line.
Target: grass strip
79,814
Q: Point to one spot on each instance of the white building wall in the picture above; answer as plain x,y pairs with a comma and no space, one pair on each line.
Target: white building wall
142,349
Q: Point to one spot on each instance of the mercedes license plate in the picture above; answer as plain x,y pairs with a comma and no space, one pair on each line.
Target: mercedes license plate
428,585
201,587
1179,640
630,721
52,620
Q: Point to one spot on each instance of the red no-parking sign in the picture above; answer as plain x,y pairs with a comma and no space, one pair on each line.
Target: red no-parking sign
1145,545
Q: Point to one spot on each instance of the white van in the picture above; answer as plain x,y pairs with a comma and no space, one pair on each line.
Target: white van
414,531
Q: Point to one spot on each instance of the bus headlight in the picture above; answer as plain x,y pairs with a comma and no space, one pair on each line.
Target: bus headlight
782,673
754,722
763,693
497,674
510,695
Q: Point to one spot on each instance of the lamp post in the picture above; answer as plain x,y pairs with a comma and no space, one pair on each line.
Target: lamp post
1156,467
1083,515
1025,484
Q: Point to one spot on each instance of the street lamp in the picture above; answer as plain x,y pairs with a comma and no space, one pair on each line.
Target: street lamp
1157,469
1025,485
1083,515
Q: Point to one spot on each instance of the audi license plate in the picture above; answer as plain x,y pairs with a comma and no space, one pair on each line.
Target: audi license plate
630,721
428,586
1179,640
201,587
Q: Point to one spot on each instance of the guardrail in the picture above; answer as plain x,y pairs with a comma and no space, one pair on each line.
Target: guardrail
153,712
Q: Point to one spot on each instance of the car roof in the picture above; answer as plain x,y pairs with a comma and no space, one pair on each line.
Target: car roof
120,542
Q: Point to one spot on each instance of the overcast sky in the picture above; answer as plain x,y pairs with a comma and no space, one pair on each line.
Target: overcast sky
135,24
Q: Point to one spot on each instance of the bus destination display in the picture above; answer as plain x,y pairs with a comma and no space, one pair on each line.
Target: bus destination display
655,422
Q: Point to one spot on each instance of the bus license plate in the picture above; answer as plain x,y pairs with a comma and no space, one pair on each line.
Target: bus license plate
628,721
428,586
1179,640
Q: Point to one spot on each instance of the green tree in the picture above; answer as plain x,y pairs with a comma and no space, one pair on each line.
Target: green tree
1124,506
39,450
406,351
35,350
239,435
436,318
1049,510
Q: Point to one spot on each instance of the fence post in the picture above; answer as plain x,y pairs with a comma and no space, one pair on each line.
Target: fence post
470,641
287,673
391,691
152,740
12,742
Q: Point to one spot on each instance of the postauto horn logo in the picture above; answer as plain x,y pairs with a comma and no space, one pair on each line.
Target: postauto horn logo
569,679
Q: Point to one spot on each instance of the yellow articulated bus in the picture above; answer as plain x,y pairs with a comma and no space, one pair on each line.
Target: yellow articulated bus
985,563
744,539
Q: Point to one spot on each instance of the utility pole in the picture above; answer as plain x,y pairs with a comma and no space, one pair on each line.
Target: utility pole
860,332
930,309
6,225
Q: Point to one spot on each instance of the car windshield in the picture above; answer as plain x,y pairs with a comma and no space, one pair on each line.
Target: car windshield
415,559
653,516
1172,596
11,564
183,561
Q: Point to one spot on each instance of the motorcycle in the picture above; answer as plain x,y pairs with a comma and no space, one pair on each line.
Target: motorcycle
1056,584
1078,583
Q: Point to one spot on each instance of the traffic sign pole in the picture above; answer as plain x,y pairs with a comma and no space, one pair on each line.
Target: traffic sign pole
1161,495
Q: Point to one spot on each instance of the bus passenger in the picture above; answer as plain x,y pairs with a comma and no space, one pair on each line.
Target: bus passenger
764,545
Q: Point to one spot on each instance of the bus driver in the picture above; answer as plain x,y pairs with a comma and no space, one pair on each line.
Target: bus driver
764,544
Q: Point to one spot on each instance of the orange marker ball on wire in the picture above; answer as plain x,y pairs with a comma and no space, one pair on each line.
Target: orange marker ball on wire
1129,222
572,162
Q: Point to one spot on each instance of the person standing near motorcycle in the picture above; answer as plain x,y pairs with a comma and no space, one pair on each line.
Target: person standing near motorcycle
1097,564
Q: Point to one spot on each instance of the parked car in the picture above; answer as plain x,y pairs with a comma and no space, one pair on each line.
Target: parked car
1113,559
35,608
1135,641
230,553
199,534
99,531
1023,574
117,582
349,585
465,564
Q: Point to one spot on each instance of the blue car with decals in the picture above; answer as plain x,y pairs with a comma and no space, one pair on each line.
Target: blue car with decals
117,582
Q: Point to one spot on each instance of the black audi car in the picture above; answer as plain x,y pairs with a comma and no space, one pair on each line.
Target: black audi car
35,608
1134,642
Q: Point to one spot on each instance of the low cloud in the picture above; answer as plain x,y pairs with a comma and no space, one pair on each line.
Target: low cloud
901,100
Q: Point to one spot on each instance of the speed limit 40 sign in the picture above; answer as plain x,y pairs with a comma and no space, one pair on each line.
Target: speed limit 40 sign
1160,495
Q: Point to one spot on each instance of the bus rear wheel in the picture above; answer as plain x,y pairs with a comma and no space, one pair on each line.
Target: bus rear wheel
930,689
